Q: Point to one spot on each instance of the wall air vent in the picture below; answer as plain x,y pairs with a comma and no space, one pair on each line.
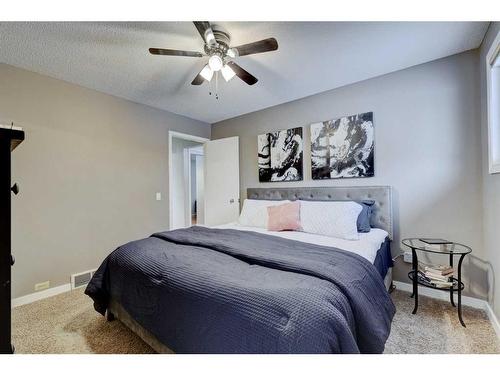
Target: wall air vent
79,280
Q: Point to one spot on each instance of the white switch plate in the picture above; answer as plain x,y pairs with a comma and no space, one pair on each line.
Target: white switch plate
158,196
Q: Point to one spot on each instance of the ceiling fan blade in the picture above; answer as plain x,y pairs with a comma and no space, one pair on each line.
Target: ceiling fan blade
205,74
198,80
265,45
174,52
205,31
242,73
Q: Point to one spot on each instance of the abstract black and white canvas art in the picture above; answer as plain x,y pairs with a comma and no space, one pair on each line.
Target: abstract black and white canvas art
343,148
280,155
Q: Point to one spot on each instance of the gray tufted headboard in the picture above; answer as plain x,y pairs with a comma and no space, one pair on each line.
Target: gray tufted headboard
382,195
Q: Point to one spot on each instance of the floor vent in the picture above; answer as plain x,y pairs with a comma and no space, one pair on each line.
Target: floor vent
79,280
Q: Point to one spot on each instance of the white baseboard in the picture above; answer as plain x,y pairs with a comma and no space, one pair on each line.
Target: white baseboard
441,295
24,300
445,296
493,319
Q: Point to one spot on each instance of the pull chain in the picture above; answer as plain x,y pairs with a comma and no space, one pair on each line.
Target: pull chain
216,93
217,85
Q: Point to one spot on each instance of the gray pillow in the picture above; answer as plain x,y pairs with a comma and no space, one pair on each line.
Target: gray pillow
364,217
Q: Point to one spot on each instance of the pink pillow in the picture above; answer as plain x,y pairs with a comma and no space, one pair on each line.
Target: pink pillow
284,217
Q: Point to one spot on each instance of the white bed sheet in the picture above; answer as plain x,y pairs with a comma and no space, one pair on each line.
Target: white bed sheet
367,245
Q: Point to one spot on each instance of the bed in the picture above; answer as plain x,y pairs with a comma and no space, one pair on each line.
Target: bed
234,289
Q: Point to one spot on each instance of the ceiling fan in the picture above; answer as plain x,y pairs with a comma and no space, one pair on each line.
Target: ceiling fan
220,54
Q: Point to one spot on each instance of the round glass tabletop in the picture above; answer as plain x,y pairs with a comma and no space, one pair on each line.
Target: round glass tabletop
426,244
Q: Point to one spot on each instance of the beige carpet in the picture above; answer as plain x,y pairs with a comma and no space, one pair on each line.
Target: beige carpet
436,328
67,323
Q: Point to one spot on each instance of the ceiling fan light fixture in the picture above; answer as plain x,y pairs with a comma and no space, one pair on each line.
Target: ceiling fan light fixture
227,73
215,62
217,46
207,73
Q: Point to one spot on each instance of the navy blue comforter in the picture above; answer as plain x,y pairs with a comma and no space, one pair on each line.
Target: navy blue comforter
202,290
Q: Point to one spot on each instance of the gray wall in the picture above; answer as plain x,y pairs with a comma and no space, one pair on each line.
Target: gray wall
427,147
491,185
88,172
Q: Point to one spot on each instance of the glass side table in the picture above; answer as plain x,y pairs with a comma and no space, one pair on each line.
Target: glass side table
451,249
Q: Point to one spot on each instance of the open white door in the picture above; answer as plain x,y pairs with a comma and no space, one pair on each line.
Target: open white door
222,181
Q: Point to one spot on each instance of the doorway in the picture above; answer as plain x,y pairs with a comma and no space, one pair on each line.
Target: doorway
186,180
194,208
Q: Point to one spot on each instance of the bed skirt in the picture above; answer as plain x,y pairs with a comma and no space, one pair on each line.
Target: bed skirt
119,313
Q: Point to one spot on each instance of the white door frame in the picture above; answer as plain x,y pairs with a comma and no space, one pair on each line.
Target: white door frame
188,137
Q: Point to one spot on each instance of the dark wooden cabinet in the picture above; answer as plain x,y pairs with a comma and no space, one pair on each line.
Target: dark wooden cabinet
9,140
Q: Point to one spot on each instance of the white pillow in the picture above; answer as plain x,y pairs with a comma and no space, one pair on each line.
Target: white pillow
254,212
332,219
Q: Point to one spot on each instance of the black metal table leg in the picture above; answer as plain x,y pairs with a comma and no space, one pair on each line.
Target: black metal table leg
460,289
414,260
451,289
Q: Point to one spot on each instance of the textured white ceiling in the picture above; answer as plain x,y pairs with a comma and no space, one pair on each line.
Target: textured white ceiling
312,57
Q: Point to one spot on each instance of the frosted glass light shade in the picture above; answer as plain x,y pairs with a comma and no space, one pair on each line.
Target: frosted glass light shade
215,63
207,73
227,73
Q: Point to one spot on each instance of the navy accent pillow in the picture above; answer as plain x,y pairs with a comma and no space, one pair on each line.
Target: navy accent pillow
364,217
